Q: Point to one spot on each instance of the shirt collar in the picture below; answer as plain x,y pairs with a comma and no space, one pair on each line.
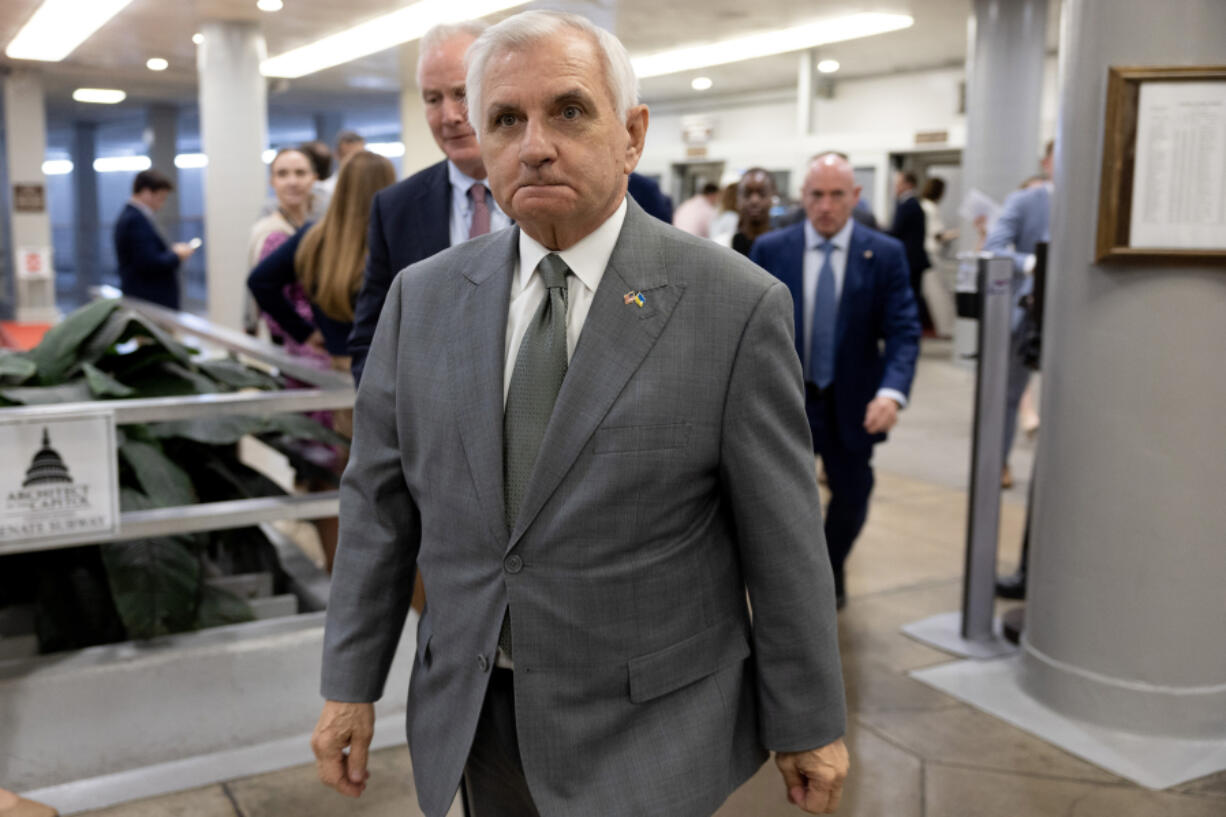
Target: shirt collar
460,180
841,239
587,259
144,208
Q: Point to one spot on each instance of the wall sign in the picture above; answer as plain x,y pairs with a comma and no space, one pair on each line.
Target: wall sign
34,262
59,483
29,198
1164,159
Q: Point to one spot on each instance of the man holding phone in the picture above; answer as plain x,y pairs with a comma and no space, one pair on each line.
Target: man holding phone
148,261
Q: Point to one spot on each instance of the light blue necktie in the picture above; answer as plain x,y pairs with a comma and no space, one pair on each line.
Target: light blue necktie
825,314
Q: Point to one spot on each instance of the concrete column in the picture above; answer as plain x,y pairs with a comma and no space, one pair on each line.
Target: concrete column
420,150
87,252
1004,87
1126,623
161,139
327,125
25,126
234,131
805,65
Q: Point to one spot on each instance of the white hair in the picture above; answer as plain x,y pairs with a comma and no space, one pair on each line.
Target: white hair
526,28
439,35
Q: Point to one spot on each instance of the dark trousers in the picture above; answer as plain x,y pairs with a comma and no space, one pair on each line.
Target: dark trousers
848,475
494,775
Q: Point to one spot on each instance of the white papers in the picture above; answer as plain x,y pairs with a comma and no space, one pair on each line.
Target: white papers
976,204
1179,181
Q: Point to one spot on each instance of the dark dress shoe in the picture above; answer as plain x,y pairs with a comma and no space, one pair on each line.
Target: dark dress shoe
1012,586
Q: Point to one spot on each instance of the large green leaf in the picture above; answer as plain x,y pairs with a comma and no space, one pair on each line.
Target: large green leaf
154,582
74,392
219,606
230,429
15,367
124,325
161,480
125,366
169,379
59,350
236,375
102,384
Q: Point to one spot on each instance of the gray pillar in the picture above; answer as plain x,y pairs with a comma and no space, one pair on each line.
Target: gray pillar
1126,623
805,66
25,130
86,248
1004,86
161,138
234,132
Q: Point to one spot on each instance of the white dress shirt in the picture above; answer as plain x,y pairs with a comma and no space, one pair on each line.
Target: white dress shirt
461,218
586,259
838,263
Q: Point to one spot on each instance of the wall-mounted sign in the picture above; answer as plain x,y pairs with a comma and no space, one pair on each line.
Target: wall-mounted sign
931,137
1164,158
59,483
697,129
696,152
29,198
34,262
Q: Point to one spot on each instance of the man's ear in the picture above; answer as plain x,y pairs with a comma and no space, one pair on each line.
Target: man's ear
636,128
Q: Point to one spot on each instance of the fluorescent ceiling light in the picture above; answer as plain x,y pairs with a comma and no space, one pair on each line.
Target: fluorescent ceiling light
701,83
389,149
198,38
99,96
828,66
187,161
117,164
768,43
59,26
269,5
57,167
157,64
379,34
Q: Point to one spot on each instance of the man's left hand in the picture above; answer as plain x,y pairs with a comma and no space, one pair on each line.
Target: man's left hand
881,416
815,778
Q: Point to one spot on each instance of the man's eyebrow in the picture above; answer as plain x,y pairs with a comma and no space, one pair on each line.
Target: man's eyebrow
497,109
571,96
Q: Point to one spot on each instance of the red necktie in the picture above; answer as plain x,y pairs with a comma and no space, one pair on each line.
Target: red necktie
481,211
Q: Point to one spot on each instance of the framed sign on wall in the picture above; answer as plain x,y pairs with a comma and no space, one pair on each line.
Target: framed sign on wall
1162,194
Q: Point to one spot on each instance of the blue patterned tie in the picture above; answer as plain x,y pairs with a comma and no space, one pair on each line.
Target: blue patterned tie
825,315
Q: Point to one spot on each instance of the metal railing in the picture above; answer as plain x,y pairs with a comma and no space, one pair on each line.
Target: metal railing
326,390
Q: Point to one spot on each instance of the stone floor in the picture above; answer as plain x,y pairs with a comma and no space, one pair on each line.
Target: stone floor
915,752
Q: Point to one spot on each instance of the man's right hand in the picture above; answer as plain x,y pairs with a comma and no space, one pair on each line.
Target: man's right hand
344,725
182,250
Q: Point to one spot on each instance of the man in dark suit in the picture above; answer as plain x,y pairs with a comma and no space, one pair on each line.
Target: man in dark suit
436,208
851,292
588,434
909,228
148,261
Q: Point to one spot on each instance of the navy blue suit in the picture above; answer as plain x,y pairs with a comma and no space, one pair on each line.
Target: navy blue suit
147,266
876,306
648,195
409,222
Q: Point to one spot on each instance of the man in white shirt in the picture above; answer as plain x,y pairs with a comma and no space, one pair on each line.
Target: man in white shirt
436,208
697,212
857,333
586,433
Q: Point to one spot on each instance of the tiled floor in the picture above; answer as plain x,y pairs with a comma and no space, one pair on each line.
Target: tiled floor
915,751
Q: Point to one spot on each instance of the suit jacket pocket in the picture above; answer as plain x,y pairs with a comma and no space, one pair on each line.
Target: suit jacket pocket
642,438
687,661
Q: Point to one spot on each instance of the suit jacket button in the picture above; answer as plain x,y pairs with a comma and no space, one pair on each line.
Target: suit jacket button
482,663
513,564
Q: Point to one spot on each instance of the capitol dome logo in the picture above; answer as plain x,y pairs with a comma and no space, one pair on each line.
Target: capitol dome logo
48,485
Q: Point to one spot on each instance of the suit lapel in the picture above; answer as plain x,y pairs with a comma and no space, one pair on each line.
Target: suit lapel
475,356
616,338
435,210
859,261
792,272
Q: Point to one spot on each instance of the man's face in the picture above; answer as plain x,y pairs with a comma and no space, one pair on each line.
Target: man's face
830,194
901,185
346,149
556,150
157,199
442,90
755,196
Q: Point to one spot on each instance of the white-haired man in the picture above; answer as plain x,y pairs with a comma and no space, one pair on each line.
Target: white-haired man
588,435
439,207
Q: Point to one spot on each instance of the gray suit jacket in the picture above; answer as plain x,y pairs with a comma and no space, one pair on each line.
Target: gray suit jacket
676,473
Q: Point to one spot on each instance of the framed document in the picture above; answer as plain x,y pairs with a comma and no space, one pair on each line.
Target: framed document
1162,193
